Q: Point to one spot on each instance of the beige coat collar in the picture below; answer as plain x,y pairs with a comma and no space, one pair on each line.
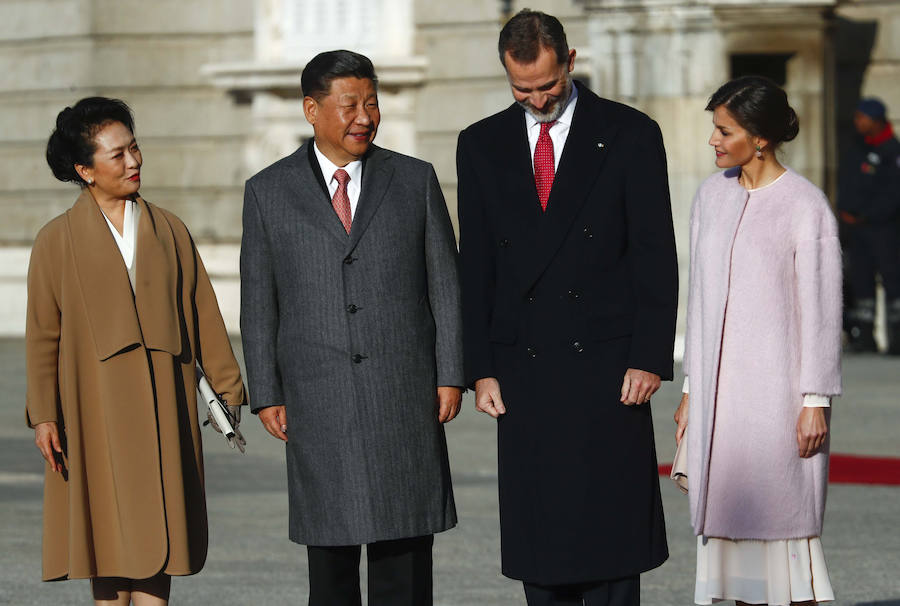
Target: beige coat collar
119,319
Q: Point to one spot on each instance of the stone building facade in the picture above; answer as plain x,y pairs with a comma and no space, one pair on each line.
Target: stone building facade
215,88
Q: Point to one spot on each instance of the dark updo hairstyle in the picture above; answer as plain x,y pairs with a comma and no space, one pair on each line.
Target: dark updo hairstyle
760,106
72,142
317,76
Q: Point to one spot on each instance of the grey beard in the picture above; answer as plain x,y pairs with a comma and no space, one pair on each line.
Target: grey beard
557,110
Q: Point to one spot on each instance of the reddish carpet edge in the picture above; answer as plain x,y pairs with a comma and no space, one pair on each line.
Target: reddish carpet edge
850,469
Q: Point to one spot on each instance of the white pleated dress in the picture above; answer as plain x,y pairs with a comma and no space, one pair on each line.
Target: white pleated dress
761,572
774,572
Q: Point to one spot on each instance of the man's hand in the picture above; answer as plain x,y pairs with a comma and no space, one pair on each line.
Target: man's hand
811,430
487,397
448,401
638,386
274,419
46,438
681,418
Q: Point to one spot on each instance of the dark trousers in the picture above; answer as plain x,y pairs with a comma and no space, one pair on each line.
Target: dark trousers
399,573
618,592
875,249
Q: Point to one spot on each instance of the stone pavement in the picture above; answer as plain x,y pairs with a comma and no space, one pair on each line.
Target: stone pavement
252,562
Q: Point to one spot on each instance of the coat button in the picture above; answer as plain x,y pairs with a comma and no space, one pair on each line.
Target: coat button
504,243
574,294
529,298
587,232
348,260
357,358
578,346
353,308
532,352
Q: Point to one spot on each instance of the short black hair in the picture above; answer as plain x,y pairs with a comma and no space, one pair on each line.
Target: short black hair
527,33
72,141
315,81
760,106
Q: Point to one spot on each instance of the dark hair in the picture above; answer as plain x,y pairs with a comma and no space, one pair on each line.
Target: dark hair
760,106
315,81
72,142
528,32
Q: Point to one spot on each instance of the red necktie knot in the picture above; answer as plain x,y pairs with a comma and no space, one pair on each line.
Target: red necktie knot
544,160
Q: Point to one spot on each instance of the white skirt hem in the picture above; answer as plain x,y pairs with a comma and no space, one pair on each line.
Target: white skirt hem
761,572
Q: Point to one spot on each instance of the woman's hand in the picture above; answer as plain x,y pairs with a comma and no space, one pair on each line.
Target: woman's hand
46,438
811,430
681,417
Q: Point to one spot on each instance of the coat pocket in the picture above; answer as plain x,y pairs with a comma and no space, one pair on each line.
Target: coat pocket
603,328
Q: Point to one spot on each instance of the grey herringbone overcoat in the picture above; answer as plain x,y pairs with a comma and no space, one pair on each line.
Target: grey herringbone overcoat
353,333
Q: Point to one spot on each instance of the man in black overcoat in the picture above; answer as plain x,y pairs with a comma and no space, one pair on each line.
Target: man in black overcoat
569,277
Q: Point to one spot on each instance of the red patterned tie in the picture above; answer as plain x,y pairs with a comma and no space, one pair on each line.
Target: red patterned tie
543,164
341,201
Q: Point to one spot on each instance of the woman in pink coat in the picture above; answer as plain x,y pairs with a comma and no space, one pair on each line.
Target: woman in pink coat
762,359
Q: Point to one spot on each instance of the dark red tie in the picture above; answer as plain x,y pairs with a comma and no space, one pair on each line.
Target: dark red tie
543,164
341,200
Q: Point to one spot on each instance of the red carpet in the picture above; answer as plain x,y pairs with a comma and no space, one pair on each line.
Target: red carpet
851,469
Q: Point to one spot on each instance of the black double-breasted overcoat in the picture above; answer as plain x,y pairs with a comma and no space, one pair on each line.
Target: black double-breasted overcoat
557,305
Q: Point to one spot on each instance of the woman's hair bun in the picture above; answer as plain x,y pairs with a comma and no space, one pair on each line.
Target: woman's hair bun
792,127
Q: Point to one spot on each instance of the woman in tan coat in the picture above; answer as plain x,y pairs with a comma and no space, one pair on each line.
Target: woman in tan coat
120,309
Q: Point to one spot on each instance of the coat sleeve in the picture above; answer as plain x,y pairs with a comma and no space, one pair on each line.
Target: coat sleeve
442,267
817,265
215,353
42,333
654,264
477,268
259,308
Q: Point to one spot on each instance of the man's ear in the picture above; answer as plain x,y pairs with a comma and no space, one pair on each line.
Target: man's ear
310,109
571,59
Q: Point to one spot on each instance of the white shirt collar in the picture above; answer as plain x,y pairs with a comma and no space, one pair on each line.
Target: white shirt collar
565,118
354,169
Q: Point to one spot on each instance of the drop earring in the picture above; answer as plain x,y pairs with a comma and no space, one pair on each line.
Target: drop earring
758,151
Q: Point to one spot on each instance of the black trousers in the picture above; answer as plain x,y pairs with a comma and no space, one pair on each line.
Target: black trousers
399,573
618,592
875,249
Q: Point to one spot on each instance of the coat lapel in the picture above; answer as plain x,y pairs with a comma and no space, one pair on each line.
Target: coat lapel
376,180
591,138
157,281
119,318
306,192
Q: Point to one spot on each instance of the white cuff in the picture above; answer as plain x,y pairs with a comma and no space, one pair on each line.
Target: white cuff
686,387
813,400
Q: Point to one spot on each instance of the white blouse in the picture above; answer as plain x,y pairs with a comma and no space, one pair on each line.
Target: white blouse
127,240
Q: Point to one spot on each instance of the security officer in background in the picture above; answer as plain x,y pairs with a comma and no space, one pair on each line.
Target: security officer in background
869,209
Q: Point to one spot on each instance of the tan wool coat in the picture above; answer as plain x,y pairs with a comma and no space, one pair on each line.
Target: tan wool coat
115,369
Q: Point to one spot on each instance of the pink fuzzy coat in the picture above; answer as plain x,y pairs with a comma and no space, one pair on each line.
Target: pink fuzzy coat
764,328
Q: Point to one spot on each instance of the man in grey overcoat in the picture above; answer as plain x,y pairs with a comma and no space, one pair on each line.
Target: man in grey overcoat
350,319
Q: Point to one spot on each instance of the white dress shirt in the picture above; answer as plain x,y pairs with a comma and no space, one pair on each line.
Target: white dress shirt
354,169
127,240
559,132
